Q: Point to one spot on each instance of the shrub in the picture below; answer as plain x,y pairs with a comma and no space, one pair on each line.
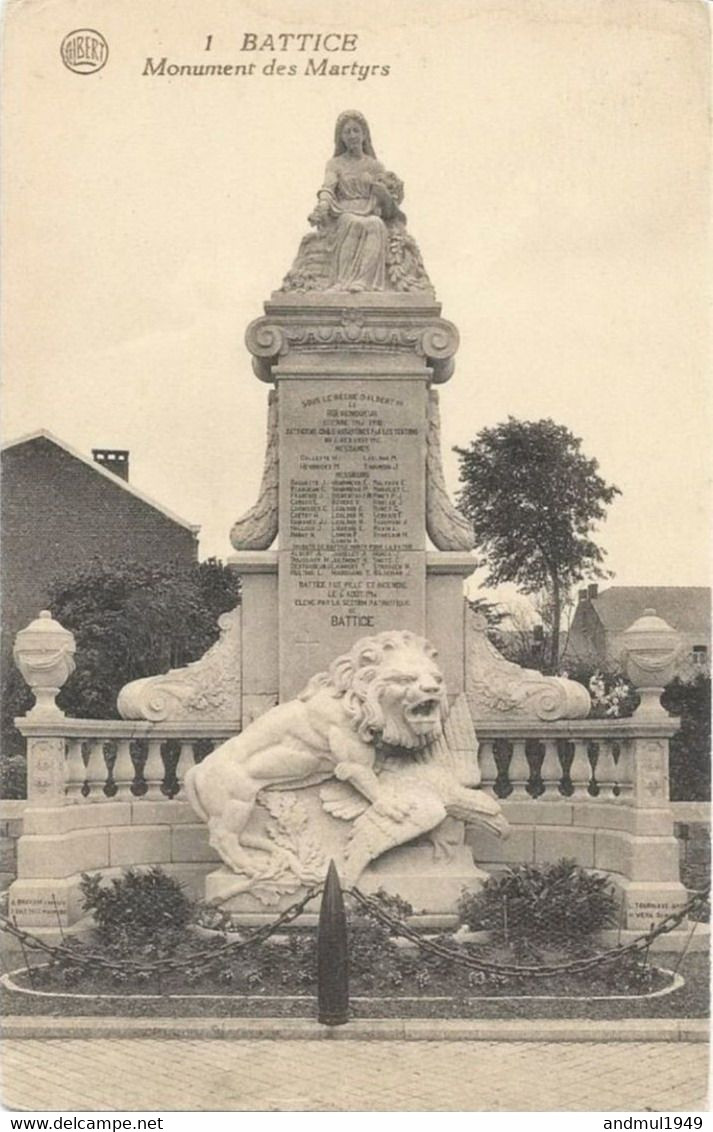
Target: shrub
394,904
542,903
137,908
690,758
13,776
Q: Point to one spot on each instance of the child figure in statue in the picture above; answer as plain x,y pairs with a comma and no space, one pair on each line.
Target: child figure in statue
360,242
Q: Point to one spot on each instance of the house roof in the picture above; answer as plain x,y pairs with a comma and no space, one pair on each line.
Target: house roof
686,608
45,434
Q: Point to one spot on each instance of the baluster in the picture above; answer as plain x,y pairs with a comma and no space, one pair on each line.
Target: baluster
124,771
488,765
185,761
75,771
580,771
154,770
625,770
551,770
96,770
606,772
519,770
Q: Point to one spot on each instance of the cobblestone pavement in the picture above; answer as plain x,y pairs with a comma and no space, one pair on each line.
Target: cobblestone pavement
151,1074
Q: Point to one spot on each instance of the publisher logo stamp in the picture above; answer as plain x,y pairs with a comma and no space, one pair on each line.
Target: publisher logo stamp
84,51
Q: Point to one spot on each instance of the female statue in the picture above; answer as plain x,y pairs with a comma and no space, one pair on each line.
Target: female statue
360,242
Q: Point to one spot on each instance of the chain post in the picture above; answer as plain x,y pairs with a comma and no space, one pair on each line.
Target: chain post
332,954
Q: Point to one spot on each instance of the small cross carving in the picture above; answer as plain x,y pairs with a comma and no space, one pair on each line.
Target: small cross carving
307,644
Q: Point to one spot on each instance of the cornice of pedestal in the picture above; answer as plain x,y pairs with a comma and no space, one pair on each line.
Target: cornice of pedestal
314,331
254,562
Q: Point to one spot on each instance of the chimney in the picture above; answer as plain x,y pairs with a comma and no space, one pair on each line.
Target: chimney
592,591
114,460
582,595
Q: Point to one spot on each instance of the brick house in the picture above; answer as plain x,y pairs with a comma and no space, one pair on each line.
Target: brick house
60,509
600,619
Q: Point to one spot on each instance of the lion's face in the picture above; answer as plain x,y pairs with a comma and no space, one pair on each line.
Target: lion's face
393,689
410,690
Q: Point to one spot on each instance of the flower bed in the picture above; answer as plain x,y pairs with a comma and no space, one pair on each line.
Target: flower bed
379,967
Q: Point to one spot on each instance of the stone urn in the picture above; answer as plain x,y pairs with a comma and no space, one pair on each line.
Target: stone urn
651,648
44,653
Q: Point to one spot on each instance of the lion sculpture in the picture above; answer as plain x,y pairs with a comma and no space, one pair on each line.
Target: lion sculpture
386,694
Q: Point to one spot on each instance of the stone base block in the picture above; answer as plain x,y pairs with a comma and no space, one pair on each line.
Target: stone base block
62,855
191,876
175,811
628,819
140,845
518,848
53,820
637,857
552,844
431,887
542,811
46,903
190,843
649,902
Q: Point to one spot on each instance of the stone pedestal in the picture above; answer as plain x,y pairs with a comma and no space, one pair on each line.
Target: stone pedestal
257,571
430,872
352,494
346,468
446,609
431,885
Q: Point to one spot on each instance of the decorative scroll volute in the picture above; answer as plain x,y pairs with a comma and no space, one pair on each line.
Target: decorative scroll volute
257,528
209,688
439,343
499,689
266,341
447,528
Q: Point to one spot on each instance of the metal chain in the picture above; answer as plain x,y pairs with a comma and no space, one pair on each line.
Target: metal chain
373,908
162,966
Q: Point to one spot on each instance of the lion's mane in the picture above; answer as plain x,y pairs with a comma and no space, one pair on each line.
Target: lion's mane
358,678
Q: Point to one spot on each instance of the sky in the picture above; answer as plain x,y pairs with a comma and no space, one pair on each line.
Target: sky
555,156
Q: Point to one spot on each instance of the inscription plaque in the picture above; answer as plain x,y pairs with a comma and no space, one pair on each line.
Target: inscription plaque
352,504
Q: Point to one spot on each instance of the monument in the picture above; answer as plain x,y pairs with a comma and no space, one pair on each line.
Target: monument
354,344
357,740
345,689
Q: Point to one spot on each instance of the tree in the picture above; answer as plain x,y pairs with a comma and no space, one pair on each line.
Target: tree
534,498
690,759
129,620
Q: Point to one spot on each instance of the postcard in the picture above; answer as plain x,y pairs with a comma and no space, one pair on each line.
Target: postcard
356,455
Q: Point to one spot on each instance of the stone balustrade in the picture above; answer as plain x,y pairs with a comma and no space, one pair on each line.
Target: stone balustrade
84,760
93,760
588,760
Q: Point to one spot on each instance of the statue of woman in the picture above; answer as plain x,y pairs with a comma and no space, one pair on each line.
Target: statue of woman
360,242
